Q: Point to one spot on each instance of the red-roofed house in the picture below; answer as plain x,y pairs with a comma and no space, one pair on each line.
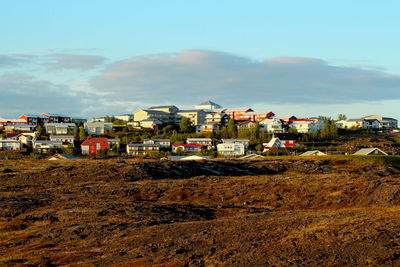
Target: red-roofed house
236,114
256,116
246,125
186,148
93,145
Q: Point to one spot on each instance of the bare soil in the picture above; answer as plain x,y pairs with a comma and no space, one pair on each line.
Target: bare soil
281,211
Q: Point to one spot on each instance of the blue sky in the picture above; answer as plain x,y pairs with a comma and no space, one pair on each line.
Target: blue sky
91,58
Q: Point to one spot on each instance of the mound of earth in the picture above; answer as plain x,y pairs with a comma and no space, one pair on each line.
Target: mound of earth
282,211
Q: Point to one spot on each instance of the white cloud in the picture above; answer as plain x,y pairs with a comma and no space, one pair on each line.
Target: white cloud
195,75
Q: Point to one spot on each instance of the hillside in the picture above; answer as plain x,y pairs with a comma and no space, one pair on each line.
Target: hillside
280,211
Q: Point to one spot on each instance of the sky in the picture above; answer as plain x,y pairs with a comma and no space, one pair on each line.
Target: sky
305,58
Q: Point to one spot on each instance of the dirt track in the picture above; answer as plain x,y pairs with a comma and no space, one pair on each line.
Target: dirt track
279,212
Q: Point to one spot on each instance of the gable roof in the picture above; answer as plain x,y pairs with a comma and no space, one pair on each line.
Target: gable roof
313,153
275,142
59,156
95,140
369,151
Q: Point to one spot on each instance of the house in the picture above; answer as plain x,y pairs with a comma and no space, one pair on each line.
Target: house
142,149
216,118
313,153
288,139
245,142
150,124
166,114
10,128
59,128
273,144
231,149
12,136
163,143
370,151
236,114
93,145
385,122
288,119
207,127
149,114
206,143
307,125
124,117
10,144
79,121
167,109
34,119
5,122
255,116
192,157
186,148
351,124
246,125
58,156
65,139
372,124
273,125
57,118
208,106
27,138
98,128
196,116
45,146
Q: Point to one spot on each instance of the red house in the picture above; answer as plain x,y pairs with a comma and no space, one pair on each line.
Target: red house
93,145
256,116
235,114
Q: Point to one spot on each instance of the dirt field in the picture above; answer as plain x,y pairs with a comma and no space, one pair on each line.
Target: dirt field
329,211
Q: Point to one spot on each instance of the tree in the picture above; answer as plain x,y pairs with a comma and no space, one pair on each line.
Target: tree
342,117
40,131
231,129
82,134
76,131
186,125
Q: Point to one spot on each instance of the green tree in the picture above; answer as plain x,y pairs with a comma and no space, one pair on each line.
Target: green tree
231,129
186,125
342,117
40,131
82,134
76,131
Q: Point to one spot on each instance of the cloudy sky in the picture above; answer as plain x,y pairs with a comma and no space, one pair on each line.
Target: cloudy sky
92,58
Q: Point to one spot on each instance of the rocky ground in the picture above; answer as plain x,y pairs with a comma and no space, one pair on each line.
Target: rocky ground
329,211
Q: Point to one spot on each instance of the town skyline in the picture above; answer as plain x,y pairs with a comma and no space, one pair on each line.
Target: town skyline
306,58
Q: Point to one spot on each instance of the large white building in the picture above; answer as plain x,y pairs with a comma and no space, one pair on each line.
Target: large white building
231,149
97,128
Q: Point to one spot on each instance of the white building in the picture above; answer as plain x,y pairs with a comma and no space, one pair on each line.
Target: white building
204,142
10,144
307,125
63,138
245,142
44,146
165,143
98,128
124,117
273,125
231,149
58,128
